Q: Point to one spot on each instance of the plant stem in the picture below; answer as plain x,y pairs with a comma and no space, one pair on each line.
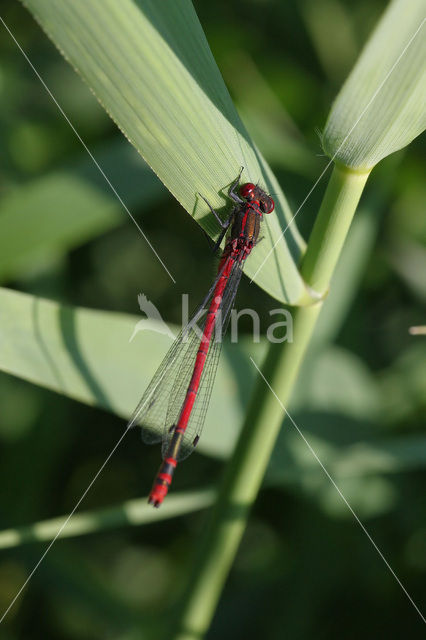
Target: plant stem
245,470
331,227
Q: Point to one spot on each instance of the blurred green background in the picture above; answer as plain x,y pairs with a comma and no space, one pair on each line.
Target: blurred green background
305,568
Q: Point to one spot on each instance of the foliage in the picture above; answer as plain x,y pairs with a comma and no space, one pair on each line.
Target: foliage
361,396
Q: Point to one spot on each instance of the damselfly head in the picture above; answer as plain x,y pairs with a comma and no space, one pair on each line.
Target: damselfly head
250,192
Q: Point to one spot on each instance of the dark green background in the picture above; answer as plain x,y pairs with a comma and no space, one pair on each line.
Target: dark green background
305,569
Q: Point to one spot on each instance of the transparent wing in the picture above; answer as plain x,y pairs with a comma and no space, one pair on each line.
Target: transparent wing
198,414
159,408
151,412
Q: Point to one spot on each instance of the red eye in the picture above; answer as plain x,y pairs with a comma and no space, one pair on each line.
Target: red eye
269,205
247,190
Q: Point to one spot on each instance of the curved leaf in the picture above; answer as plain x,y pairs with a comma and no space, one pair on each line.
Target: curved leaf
151,68
64,208
381,106
87,355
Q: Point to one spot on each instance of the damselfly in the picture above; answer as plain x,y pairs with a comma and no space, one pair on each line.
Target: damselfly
173,407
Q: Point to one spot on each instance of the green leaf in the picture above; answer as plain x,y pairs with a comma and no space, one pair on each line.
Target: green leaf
86,355
381,106
337,380
361,465
404,384
129,513
150,66
61,210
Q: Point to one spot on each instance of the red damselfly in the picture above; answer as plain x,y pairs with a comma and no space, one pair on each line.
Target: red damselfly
174,406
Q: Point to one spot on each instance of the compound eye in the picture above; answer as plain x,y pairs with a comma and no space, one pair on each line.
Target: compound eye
247,190
268,205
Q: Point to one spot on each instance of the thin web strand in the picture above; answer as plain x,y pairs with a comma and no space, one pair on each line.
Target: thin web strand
64,524
374,96
98,166
339,491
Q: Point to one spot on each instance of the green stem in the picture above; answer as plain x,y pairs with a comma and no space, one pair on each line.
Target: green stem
244,473
331,227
